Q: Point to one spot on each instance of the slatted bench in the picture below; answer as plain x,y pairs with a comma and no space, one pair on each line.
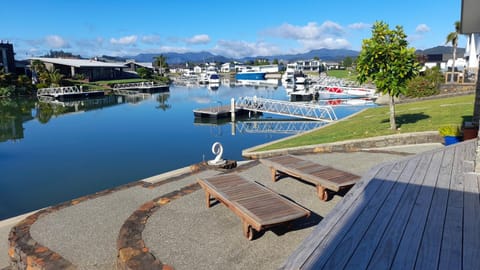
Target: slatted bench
422,212
257,206
325,178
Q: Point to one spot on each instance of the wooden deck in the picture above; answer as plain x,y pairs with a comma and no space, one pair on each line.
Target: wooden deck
325,178
422,212
257,206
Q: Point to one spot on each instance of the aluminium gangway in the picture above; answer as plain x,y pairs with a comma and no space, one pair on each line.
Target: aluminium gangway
292,109
277,127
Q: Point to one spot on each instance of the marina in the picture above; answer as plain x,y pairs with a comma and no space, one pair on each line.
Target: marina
113,140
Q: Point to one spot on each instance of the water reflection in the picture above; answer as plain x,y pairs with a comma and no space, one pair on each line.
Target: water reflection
13,113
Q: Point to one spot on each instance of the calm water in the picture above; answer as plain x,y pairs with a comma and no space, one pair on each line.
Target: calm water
50,153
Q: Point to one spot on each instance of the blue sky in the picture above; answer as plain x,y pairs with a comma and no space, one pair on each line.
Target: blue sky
229,28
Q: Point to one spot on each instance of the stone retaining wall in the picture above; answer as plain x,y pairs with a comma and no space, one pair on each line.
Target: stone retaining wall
351,145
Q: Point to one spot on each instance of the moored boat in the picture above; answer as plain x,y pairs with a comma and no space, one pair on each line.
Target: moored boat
341,92
250,75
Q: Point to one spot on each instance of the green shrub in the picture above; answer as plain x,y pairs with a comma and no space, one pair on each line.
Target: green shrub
426,84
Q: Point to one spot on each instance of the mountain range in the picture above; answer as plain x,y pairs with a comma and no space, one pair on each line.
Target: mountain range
204,57
174,58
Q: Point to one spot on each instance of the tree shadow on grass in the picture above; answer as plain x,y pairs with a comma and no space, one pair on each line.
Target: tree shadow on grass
408,118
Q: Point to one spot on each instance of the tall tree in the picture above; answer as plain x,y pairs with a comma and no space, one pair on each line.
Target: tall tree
453,38
347,62
160,63
386,60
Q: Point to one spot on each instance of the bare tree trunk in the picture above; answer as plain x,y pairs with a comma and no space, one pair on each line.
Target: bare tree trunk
393,124
453,63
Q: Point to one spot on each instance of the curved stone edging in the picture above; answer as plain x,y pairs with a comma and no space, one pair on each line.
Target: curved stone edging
132,252
26,253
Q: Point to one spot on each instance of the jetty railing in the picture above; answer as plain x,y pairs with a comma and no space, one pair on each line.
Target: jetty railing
137,85
278,127
59,91
293,109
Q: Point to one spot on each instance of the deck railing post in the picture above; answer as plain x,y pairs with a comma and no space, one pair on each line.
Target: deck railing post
232,109
477,157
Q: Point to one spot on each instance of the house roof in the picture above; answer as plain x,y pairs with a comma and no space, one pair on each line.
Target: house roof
78,62
142,64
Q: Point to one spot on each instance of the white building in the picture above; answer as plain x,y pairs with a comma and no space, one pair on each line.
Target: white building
472,53
227,67
309,65
197,69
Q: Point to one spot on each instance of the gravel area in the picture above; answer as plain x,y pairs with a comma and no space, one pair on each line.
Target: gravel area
185,233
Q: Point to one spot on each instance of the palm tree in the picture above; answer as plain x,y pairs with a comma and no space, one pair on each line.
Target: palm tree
55,78
453,38
160,62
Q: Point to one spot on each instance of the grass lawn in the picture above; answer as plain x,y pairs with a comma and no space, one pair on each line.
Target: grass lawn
342,74
427,115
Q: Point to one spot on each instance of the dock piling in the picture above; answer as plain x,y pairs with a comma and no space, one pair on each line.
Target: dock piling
232,109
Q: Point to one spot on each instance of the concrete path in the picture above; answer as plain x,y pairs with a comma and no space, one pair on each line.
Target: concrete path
184,233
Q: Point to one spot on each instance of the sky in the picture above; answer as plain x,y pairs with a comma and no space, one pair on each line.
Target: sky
230,28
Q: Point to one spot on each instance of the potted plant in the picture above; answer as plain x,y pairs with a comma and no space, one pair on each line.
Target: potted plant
450,133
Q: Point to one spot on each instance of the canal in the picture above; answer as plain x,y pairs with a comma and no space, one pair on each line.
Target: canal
52,152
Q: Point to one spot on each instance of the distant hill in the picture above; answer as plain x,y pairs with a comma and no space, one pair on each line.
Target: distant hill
174,58
179,58
323,54
441,50
203,57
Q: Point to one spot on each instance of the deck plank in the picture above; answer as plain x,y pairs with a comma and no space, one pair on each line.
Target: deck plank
382,255
417,213
451,251
471,225
368,232
358,220
428,254
409,244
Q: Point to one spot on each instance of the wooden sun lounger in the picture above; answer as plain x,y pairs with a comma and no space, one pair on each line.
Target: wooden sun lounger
325,178
257,206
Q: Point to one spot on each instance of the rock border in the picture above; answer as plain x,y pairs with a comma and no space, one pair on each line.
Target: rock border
350,145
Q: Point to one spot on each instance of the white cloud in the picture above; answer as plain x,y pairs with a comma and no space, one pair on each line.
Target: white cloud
308,32
313,36
422,28
128,40
151,39
238,49
56,42
328,43
359,26
198,39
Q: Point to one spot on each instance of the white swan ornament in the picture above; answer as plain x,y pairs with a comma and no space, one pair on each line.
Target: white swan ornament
217,149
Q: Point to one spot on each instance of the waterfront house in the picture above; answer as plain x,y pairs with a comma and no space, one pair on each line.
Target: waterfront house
91,70
132,65
7,60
